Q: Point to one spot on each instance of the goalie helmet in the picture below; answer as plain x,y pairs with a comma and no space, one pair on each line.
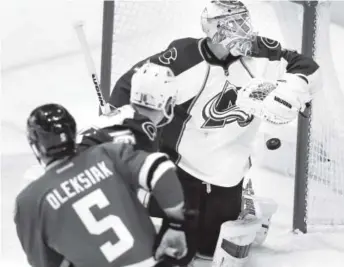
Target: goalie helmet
228,23
152,87
51,132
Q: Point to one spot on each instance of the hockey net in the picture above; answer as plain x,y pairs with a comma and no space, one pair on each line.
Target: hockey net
143,28
325,188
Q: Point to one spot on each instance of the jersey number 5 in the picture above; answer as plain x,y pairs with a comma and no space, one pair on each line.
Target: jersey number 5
94,227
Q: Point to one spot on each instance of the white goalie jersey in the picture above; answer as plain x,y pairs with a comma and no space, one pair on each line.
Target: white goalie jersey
210,136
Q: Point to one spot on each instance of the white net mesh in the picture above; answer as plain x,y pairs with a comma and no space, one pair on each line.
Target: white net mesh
143,28
326,148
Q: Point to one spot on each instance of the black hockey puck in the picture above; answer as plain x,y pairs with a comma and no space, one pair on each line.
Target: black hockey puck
273,143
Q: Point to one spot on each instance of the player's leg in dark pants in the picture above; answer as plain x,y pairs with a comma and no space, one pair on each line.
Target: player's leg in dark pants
212,209
221,204
193,191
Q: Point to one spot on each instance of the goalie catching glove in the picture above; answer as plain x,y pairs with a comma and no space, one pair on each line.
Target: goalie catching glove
275,102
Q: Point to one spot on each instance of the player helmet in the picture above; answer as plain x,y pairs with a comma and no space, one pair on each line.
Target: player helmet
51,132
228,23
152,87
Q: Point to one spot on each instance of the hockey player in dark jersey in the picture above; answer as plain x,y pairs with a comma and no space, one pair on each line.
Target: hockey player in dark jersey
121,125
84,211
211,138
137,122
126,125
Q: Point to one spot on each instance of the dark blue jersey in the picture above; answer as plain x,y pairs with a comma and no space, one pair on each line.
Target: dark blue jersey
124,125
85,209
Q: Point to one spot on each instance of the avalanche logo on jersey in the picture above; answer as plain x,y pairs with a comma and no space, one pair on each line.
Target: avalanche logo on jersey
221,109
168,56
150,130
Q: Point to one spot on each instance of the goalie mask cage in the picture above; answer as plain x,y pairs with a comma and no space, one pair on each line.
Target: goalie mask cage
134,30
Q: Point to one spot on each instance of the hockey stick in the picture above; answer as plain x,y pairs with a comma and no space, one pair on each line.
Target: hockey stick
90,64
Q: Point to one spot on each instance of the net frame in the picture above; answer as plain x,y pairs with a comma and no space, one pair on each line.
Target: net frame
303,128
319,177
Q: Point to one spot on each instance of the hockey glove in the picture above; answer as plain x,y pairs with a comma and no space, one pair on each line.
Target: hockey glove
289,98
250,98
173,244
275,102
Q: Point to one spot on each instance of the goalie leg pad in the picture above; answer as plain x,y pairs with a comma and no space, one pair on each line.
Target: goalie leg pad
200,261
265,208
235,240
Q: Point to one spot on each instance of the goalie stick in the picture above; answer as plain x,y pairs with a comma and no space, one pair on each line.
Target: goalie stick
90,65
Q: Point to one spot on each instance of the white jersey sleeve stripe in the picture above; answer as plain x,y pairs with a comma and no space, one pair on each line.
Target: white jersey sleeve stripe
147,168
160,170
175,209
143,196
120,133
